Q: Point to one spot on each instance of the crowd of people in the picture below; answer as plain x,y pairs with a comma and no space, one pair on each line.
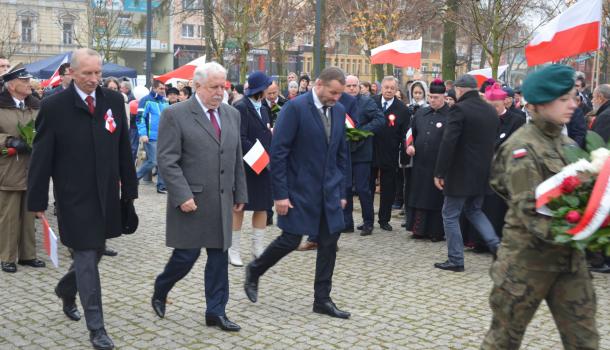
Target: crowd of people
434,151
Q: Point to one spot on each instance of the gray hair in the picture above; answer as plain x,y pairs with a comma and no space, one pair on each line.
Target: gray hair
390,78
604,90
293,84
354,77
126,84
78,54
203,72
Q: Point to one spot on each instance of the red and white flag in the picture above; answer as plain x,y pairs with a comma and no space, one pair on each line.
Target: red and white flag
50,241
575,31
483,74
55,79
409,138
349,122
401,53
185,72
257,158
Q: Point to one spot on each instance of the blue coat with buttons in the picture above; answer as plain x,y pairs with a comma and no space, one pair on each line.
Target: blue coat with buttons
308,169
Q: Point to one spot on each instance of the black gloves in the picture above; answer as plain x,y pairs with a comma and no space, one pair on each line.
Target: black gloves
18,144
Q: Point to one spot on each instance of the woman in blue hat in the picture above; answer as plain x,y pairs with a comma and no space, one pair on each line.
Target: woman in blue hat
255,126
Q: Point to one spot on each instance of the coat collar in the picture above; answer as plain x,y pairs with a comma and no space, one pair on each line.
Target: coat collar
100,98
602,108
200,117
6,101
469,95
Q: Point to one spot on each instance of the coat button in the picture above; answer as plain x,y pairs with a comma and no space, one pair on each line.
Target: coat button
222,171
222,191
221,151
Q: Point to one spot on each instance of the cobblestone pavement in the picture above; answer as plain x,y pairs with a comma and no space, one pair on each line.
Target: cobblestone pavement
397,299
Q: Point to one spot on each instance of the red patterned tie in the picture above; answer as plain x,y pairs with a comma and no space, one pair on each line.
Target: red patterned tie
214,122
89,100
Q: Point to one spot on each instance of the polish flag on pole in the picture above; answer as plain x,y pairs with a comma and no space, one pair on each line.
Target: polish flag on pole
349,122
257,158
483,74
575,31
185,72
50,241
401,53
55,79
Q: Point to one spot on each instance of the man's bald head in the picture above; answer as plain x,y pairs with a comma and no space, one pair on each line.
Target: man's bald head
352,85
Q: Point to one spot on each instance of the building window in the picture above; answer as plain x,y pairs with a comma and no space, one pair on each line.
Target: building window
188,31
68,33
191,4
200,31
26,30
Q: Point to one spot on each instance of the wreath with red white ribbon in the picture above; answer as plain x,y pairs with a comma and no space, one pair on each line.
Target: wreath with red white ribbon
578,197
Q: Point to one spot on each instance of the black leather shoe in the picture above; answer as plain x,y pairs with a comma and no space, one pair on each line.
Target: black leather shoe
360,227
416,236
222,322
396,206
329,308
437,239
9,267
385,226
449,267
110,252
159,306
32,263
348,230
251,285
69,306
366,231
100,340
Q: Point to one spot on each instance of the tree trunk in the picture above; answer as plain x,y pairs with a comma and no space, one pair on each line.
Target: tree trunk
449,42
389,69
243,61
379,71
483,58
208,26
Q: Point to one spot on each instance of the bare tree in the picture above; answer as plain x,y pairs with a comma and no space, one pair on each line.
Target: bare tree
10,40
500,25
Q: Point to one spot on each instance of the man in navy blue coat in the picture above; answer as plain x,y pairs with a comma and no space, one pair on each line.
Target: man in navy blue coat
308,170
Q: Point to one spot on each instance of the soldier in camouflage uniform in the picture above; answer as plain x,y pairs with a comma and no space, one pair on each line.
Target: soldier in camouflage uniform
530,266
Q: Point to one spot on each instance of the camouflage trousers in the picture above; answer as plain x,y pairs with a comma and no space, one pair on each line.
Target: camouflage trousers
517,293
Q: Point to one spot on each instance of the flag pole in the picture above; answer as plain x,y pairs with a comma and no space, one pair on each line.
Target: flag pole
594,70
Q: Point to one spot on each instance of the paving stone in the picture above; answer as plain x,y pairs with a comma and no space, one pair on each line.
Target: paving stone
397,299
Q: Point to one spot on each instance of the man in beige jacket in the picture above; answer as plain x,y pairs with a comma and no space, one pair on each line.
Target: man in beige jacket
17,107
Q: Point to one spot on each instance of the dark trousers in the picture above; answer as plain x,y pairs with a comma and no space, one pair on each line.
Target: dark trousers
325,260
400,187
387,182
361,173
134,140
83,277
216,277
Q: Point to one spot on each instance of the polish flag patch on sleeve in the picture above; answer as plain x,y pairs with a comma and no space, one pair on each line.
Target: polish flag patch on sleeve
519,153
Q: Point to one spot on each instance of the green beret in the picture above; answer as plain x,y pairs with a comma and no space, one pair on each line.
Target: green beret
548,83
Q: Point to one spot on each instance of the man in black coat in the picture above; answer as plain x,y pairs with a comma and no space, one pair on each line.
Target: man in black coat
273,101
366,117
82,142
386,147
463,167
601,101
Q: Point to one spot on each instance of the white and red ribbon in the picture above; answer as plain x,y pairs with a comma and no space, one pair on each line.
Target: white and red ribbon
391,118
598,207
349,122
110,123
409,138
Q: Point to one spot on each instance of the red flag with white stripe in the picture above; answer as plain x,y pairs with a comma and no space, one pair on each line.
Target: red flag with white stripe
55,79
50,241
401,53
257,158
575,31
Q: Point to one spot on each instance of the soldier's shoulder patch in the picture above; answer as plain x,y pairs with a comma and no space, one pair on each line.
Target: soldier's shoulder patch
519,153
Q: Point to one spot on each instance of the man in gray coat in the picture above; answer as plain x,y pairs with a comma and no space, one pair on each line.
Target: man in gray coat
200,158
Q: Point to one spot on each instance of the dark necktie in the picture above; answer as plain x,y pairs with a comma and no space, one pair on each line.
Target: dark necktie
89,100
21,105
385,105
214,122
325,110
